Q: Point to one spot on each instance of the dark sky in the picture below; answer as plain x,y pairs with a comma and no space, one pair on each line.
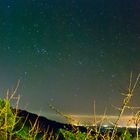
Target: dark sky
69,52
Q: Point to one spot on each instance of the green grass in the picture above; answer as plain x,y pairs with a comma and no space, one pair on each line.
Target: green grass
9,122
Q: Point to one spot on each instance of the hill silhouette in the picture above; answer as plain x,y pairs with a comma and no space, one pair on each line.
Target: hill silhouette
43,124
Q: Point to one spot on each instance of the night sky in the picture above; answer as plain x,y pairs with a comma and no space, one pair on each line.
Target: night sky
69,52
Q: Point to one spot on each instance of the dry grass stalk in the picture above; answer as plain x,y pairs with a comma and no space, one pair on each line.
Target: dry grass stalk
125,103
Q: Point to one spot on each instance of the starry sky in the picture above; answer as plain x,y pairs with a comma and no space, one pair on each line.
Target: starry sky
69,52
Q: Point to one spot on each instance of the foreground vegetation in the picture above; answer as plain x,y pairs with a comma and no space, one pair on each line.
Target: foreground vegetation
12,127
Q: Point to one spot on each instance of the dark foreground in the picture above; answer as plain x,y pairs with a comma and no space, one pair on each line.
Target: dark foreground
52,127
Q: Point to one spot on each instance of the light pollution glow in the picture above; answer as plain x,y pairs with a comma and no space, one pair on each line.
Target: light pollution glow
89,120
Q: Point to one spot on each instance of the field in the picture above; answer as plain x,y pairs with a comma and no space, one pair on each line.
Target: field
16,124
